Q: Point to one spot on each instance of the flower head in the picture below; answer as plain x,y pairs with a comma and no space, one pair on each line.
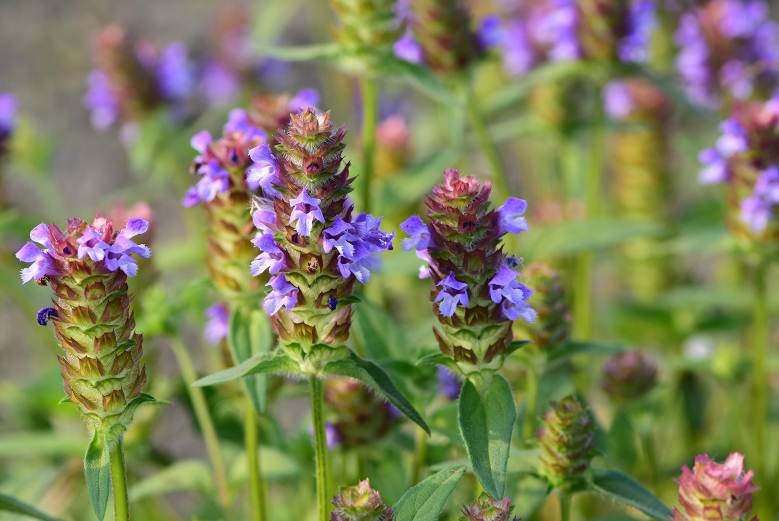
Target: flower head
629,375
359,416
487,508
360,503
567,440
715,491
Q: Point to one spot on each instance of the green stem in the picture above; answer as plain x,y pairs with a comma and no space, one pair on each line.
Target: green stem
489,147
370,117
531,399
420,456
204,420
320,448
256,484
119,483
565,505
760,339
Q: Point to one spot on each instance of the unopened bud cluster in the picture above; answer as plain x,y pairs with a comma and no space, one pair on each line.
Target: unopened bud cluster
360,503
567,443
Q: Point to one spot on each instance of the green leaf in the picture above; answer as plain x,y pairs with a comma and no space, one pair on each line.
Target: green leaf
375,377
40,444
624,489
275,362
487,418
97,472
15,506
622,440
250,334
426,500
372,331
183,475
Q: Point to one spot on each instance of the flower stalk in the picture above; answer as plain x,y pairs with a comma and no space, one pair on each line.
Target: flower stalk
252,444
119,483
320,448
370,115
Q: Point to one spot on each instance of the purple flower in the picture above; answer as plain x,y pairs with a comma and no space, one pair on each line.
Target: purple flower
174,72
272,257
490,32
452,293
282,294
368,229
304,98
263,215
214,180
42,264
7,114
264,172
449,383
45,314
635,46
357,244
218,323
617,100
407,48
518,53
513,296
733,140
758,209
556,28
238,121
511,216
419,234
332,436
119,253
305,209
91,245
219,84
101,101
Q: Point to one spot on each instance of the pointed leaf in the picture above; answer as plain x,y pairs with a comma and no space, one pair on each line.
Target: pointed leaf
487,418
624,489
426,500
249,334
375,377
98,474
13,505
276,362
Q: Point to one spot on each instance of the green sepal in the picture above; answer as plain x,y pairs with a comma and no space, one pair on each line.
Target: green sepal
275,362
426,500
486,417
16,506
97,472
372,375
516,345
626,490
250,334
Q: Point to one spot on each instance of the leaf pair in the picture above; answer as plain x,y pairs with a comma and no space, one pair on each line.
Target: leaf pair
278,362
249,334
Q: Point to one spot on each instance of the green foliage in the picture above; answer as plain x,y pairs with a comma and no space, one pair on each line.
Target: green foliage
12,505
250,335
97,473
622,488
426,500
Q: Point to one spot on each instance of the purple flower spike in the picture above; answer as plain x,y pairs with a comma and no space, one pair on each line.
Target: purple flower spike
452,293
305,210
264,172
419,234
272,257
218,323
512,295
642,19
511,214
101,100
283,295
175,73
758,209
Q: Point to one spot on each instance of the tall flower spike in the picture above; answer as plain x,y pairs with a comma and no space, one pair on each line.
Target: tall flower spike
729,50
639,161
311,239
360,503
615,30
486,508
714,491
567,443
746,158
367,25
361,417
629,375
476,294
553,326
87,266
443,30
227,179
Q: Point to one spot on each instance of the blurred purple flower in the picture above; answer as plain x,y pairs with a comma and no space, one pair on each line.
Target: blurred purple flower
449,383
617,100
511,215
218,323
174,71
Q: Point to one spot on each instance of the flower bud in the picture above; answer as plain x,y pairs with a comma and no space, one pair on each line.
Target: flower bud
552,328
715,492
360,503
476,295
629,376
485,508
87,266
371,26
360,416
567,440
311,244
443,30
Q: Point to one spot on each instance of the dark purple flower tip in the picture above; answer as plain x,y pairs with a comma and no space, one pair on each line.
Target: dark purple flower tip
45,314
332,302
